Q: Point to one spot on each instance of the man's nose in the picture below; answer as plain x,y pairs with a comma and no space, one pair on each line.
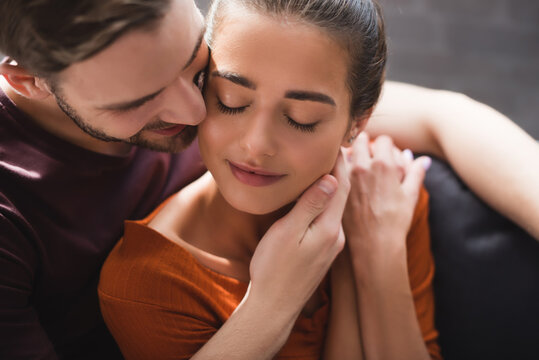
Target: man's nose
184,104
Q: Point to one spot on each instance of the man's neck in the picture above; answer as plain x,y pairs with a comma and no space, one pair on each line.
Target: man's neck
48,115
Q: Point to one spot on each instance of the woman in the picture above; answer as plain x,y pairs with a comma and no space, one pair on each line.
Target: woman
280,106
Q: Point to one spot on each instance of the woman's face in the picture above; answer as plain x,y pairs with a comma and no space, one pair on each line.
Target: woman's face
278,110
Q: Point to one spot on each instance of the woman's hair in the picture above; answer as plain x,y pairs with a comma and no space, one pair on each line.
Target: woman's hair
47,36
357,25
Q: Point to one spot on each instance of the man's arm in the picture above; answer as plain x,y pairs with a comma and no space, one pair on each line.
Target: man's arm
287,267
497,159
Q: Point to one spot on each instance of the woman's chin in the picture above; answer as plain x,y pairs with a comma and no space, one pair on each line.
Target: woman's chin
254,209
258,206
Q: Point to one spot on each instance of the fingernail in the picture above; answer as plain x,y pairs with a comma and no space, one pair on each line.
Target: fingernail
327,186
427,162
348,154
408,154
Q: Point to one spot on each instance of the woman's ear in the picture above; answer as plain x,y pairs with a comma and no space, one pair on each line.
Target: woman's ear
23,82
357,126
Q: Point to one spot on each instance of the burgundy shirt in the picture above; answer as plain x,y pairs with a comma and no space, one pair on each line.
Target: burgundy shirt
61,211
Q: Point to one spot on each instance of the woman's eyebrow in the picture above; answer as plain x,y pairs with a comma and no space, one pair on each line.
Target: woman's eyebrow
291,94
310,96
235,78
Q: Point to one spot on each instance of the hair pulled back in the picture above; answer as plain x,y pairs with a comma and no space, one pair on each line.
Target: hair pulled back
357,26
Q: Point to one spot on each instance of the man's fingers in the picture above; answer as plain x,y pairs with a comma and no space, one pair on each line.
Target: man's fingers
309,206
332,217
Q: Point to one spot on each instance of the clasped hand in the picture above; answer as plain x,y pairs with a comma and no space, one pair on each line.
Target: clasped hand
385,185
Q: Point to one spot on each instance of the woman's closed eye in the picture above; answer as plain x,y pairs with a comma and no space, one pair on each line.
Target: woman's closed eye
301,127
230,110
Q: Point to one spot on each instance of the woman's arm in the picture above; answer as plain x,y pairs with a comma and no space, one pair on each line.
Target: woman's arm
343,339
394,287
497,159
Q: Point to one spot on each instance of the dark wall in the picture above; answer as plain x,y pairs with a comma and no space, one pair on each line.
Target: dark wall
487,49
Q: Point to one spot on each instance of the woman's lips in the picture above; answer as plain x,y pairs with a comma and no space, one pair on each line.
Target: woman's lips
173,130
253,177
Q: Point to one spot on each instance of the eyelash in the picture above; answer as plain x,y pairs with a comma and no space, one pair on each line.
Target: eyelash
228,110
301,127
233,111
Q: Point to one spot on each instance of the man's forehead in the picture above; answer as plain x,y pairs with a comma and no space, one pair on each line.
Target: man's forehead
140,62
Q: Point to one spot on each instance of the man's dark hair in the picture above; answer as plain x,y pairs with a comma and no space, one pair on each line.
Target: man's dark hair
47,36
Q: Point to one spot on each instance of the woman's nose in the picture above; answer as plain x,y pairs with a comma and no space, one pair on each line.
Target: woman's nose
258,137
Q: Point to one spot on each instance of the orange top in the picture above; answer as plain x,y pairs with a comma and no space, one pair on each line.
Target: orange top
159,302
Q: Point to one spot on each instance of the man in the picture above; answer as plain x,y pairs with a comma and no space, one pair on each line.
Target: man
87,88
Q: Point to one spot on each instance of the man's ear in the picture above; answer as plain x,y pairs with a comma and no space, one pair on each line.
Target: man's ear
356,127
23,82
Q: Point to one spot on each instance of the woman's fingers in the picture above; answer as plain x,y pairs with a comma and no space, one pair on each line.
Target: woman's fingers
382,150
380,156
360,151
415,176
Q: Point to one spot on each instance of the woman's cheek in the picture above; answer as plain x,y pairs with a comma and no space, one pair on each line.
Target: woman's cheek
212,132
324,157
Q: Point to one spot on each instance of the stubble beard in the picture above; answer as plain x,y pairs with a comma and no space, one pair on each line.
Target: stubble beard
171,144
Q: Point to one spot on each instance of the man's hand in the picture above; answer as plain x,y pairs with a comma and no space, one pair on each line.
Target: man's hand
297,251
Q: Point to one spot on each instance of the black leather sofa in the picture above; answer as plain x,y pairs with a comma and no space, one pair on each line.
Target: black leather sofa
487,275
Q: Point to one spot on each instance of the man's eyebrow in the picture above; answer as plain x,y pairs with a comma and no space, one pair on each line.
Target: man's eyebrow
235,78
196,49
309,96
131,104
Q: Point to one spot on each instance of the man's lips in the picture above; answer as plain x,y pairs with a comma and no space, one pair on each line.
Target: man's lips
252,176
169,131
